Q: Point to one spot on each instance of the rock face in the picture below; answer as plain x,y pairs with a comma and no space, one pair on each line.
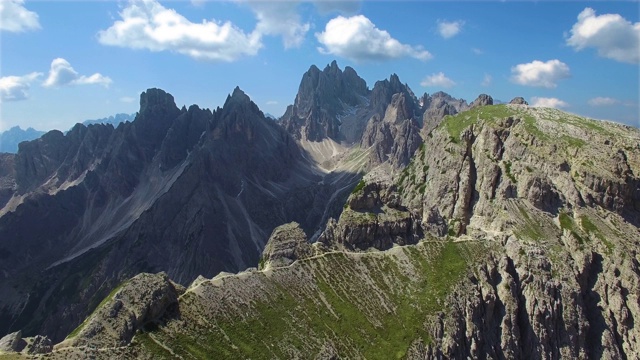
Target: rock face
144,298
12,342
287,244
395,137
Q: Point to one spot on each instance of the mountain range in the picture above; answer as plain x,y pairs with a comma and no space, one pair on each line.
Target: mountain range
10,139
364,223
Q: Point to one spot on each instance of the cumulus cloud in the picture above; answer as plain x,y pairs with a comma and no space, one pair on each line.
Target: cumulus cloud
449,29
14,17
487,80
280,18
438,80
548,102
603,101
358,39
611,35
145,24
15,88
62,73
538,73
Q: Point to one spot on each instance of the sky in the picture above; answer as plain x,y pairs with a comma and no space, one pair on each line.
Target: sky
63,62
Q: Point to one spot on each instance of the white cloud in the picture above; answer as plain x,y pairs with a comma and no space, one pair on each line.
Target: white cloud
438,80
14,17
62,73
449,29
612,35
148,25
538,73
15,88
127,99
280,18
548,102
477,51
488,79
603,101
272,102
358,39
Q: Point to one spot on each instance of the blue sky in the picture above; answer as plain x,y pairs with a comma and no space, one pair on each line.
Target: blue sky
66,61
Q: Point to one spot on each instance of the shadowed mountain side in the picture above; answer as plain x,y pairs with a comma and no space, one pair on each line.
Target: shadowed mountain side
201,199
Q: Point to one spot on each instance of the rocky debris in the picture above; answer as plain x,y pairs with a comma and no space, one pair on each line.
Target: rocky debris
286,244
139,301
12,342
481,100
518,101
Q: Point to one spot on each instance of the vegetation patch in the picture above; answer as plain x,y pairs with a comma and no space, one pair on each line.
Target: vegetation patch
359,187
368,306
591,229
507,170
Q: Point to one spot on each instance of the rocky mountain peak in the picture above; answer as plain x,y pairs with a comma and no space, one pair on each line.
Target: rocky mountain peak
482,100
156,97
518,101
237,97
322,97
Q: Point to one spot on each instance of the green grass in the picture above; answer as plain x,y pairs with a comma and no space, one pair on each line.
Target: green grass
530,229
292,320
507,170
573,142
359,187
592,229
567,223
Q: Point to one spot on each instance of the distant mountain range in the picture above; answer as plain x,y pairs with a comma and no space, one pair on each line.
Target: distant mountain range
10,139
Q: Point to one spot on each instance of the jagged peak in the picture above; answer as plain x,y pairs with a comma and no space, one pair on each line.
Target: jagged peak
155,96
482,100
237,96
333,67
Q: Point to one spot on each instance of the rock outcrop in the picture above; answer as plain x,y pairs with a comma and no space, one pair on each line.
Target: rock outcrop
287,244
481,100
395,137
518,101
12,342
372,218
144,298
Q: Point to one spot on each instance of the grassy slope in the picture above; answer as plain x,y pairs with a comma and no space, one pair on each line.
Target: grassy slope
369,305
